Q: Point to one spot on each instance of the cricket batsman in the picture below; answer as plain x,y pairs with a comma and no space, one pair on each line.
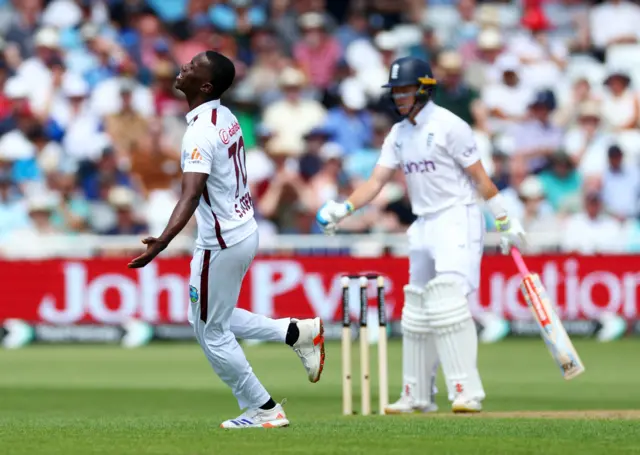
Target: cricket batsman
437,153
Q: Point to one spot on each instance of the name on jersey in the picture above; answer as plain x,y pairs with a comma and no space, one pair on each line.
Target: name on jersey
227,134
244,205
418,167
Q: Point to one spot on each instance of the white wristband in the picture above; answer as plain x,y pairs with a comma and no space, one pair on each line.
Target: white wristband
496,205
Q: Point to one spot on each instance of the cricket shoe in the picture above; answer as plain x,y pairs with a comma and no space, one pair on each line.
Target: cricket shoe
258,418
310,346
463,405
407,405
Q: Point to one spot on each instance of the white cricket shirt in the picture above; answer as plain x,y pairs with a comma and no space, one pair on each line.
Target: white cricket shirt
433,154
213,145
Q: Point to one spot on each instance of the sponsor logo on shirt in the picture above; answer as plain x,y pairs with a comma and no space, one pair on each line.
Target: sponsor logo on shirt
418,167
195,157
227,134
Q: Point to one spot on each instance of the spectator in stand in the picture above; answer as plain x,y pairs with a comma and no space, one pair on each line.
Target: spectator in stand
261,80
620,110
543,58
537,214
350,123
353,29
106,172
200,38
592,231
587,143
614,22
40,208
122,201
238,16
35,70
285,188
480,69
453,93
318,53
620,187
325,185
105,97
567,114
537,138
429,46
72,212
170,106
285,16
126,126
310,162
294,116
467,28
13,213
155,183
359,165
507,99
561,183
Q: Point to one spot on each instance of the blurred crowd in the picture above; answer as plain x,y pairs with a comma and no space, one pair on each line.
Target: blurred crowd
90,123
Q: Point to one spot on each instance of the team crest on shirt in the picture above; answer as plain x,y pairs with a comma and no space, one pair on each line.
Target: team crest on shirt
430,139
193,294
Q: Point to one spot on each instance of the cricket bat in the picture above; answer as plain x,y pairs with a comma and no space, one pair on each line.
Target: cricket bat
553,332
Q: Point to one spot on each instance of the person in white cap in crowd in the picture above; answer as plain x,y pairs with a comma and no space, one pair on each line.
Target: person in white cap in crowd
507,99
77,119
537,214
482,70
453,93
317,53
350,124
294,116
445,177
571,101
123,200
35,70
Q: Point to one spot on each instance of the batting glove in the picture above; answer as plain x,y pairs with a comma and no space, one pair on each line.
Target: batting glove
331,213
511,234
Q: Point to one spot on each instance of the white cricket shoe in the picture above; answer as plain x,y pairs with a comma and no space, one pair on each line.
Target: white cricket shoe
258,418
310,346
463,405
407,405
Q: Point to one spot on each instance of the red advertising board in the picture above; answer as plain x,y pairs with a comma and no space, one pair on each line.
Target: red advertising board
104,291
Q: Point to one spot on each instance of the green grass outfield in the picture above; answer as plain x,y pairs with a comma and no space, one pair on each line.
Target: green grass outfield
165,399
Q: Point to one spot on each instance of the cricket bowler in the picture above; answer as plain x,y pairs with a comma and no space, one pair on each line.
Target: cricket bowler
214,187
437,153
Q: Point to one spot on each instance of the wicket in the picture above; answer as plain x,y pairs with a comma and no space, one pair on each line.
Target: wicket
347,400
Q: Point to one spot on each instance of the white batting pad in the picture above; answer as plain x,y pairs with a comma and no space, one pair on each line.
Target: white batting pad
419,352
456,336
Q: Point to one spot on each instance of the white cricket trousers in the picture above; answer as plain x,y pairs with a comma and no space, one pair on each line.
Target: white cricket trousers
215,282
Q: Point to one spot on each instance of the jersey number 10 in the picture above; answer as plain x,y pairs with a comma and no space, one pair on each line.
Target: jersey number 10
237,152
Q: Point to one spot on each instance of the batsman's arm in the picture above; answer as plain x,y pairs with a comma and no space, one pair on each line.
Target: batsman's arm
366,192
487,189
